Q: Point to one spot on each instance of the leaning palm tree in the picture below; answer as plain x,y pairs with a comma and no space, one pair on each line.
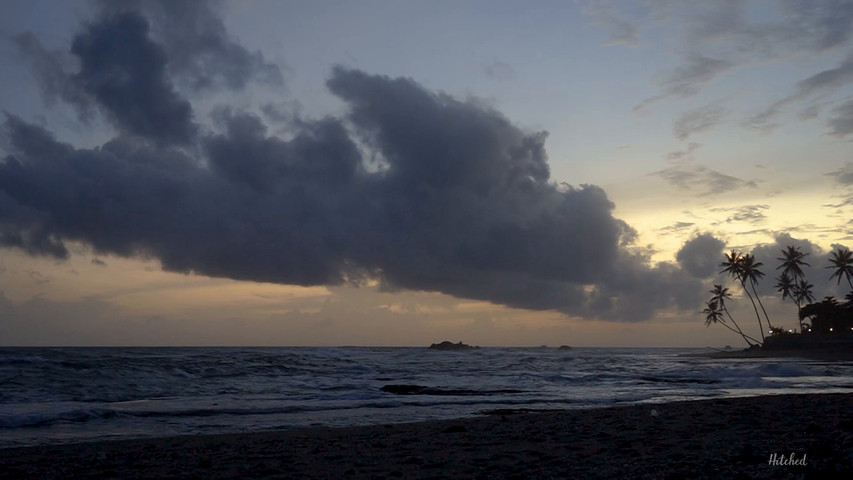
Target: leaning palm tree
734,266
842,262
751,273
713,314
719,295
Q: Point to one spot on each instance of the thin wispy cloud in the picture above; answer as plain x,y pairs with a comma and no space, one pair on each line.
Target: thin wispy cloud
688,78
698,120
750,214
702,181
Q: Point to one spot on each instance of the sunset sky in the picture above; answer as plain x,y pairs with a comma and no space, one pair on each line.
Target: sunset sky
400,173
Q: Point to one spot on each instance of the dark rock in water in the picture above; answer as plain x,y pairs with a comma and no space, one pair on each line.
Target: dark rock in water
564,347
404,389
445,345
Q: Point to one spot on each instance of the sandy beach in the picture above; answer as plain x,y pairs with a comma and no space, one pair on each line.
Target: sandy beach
809,436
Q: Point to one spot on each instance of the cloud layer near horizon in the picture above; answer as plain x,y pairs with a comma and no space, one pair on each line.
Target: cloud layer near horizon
414,188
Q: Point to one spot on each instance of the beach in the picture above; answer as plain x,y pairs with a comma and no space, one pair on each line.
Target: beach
767,437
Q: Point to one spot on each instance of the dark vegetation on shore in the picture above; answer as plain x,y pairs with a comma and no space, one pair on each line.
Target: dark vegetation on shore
825,325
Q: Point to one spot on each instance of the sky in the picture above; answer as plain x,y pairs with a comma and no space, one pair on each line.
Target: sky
400,173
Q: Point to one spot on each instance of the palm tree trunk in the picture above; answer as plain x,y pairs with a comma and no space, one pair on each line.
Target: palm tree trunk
736,331
760,325
746,337
757,297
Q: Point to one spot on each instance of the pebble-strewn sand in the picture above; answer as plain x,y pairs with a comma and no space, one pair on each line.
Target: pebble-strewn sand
725,439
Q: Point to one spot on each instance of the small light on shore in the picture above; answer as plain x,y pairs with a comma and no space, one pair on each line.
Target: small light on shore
830,329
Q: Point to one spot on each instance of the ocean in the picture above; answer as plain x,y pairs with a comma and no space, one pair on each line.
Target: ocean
64,395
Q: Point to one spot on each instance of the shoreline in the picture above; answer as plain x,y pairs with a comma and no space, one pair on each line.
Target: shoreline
716,438
829,355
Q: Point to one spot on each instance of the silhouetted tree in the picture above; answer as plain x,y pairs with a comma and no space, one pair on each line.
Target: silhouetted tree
719,295
714,315
734,265
792,263
752,275
842,262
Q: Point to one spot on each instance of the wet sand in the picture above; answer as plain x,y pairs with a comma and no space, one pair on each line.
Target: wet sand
725,439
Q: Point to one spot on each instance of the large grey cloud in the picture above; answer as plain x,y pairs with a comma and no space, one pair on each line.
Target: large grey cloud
701,255
460,200
202,53
118,64
125,72
463,206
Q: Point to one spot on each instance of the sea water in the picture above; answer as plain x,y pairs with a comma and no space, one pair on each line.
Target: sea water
60,395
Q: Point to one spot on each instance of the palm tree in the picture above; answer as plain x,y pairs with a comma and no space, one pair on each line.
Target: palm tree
842,262
785,286
735,266
719,294
792,262
803,293
788,288
713,314
751,272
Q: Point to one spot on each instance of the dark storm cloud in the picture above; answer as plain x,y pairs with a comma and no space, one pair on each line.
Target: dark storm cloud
202,54
700,256
463,206
126,73
133,57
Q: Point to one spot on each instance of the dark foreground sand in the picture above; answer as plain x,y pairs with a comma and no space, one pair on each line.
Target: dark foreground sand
725,439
